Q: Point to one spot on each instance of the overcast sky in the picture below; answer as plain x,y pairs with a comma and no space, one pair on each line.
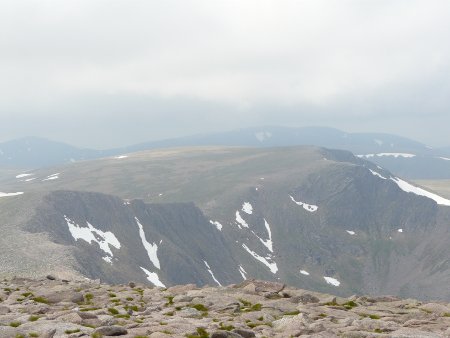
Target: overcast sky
103,73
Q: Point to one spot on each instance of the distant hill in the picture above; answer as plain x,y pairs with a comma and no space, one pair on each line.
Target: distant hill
403,156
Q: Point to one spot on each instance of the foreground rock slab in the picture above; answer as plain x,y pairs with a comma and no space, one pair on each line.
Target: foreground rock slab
50,308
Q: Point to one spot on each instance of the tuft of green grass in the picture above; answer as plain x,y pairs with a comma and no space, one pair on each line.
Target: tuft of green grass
447,314
226,327
292,313
33,318
169,300
201,333
71,331
88,297
33,334
130,299
245,302
96,335
350,305
113,311
374,317
40,300
27,294
199,307
112,295
15,324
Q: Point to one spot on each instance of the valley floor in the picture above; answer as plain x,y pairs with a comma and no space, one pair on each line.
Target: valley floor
53,308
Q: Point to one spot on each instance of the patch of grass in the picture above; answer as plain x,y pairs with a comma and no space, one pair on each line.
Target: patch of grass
33,318
350,305
125,315
112,295
169,300
40,300
113,311
96,335
292,313
256,307
134,308
199,307
374,317
260,318
447,314
27,294
323,315
33,334
71,331
15,324
88,297
245,302
226,327
86,309
20,336
171,313
130,299
201,333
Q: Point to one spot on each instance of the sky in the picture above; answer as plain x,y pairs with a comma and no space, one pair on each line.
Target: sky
105,73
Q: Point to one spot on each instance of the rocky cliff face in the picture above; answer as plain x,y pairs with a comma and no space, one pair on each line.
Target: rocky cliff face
54,308
309,217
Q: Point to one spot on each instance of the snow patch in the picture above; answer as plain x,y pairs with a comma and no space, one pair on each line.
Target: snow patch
153,278
242,272
405,186
379,142
400,230
23,175
272,266
150,248
107,259
9,194
396,155
352,233
332,281
307,207
444,158
247,208
211,273
51,177
377,174
263,135
267,243
217,224
303,272
240,221
91,234
120,157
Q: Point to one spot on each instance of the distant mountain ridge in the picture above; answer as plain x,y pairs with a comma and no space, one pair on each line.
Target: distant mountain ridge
403,156
311,217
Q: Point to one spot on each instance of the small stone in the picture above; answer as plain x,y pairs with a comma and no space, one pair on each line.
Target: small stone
245,333
50,277
111,330
132,284
4,310
225,334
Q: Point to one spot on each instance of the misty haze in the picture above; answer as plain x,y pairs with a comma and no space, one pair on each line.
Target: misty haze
225,168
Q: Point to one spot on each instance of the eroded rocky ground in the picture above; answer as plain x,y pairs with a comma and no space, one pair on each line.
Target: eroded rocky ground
54,308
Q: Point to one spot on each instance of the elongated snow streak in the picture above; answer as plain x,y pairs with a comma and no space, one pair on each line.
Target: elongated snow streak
9,194
242,272
396,155
405,186
267,243
120,157
332,281
153,278
377,174
51,177
304,272
217,224
211,273
240,221
350,232
307,207
91,234
444,158
247,208
23,175
150,248
272,266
